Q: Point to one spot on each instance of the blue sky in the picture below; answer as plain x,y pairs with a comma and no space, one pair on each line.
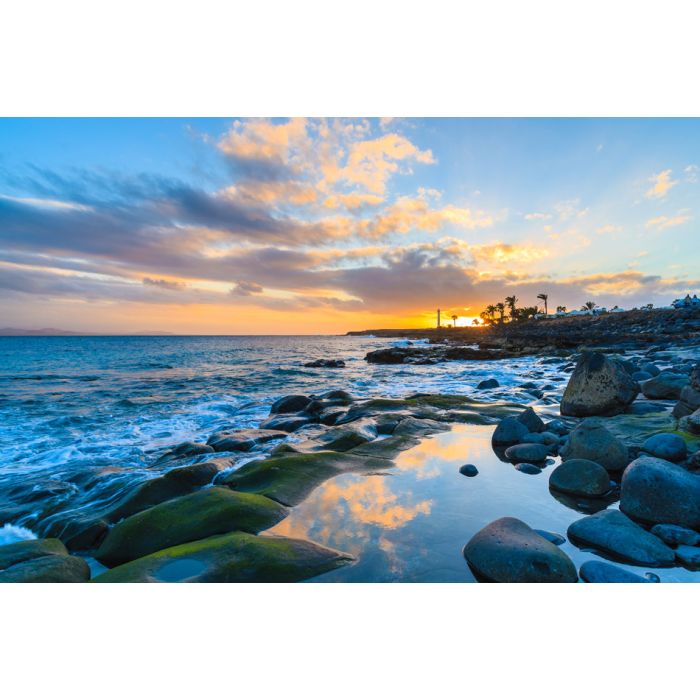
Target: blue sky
326,225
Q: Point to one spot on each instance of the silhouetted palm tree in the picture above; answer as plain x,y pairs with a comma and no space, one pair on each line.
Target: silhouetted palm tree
561,309
544,298
589,306
491,311
475,322
510,303
454,320
501,308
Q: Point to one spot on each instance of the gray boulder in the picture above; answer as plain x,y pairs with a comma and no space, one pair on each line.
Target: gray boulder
488,384
598,386
666,446
601,572
290,404
509,551
656,491
614,534
688,403
509,431
531,420
592,441
580,477
527,452
674,534
666,385
691,423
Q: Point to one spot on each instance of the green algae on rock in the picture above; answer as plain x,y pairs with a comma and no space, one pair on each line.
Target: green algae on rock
41,561
290,478
213,511
231,558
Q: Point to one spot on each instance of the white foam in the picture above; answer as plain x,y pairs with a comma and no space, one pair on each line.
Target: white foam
15,533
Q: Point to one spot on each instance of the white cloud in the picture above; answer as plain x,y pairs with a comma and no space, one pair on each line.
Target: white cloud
537,216
662,183
691,173
663,222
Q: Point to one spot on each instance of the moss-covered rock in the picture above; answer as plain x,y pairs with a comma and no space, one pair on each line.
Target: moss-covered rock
54,568
177,482
213,511
231,558
387,448
290,478
17,552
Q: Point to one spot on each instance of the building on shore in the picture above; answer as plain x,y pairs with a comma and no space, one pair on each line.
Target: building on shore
687,302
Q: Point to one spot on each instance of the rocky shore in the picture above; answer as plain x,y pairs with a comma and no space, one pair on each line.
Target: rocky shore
628,431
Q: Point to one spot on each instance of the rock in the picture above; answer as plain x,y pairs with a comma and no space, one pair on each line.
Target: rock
531,421
527,452
666,385
213,511
287,422
468,470
598,386
693,462
242,440
688,556
534,437
527,468
666,446
557,427
419,426
176,482
691,423
590,440
289,479
18,552
509,431
601,572
184,450
509,551
674,534
488,384
650,368
553,537
688,403
325,363
614,534
580,477
290,404
641,376
231,558
339,395
47,569
330,416
656,491
348,436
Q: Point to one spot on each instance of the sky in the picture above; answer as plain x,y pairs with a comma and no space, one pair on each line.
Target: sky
305,226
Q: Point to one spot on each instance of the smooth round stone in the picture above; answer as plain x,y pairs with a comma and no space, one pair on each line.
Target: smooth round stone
509,551
527,468
527,452
601,572
468,470
580,477
666,446
509,431
591,440
488,384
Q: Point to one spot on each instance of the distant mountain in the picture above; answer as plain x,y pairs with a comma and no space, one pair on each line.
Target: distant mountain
58,331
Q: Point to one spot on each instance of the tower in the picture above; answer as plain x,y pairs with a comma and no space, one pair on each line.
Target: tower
438,318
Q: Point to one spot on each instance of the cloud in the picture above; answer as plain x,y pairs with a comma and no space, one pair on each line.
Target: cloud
537,216
505,253
246,289
662,183
691,173
663,222
608,228
163,284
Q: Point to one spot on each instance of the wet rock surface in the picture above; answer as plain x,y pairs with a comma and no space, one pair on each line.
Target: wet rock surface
592,441
509,551
580,477
41,561
601,572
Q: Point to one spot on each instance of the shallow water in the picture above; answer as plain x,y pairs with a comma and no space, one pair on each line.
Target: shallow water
411,523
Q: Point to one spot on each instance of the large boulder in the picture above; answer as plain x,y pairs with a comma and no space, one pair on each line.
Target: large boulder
509,551
231,558
598,386
531,420
580,477
691,423
613,533
666,446
667,385
290,404
688,403
213,511
656,491
41,561
591,440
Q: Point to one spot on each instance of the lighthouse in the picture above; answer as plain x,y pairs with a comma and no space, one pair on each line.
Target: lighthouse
438,318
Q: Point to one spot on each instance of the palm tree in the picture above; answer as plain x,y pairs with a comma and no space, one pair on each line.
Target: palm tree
454,320
561,309
491,311
475,322
589,306
544,298
501,308
510,303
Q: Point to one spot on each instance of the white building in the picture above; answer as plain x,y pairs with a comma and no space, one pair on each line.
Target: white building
687,303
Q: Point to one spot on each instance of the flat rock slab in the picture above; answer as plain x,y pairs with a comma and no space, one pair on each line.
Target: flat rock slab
289,479
656,491
243,440
509,551
232,558
580,477
614,534
601,572
213,511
